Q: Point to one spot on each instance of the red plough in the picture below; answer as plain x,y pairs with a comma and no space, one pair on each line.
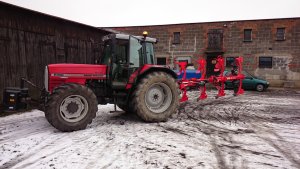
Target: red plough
218,80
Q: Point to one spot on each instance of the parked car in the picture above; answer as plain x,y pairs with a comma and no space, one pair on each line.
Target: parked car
249,83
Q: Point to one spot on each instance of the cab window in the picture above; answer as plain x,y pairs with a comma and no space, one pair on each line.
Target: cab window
106,55
136,57
149,53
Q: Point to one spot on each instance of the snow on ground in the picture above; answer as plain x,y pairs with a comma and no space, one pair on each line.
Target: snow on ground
256,130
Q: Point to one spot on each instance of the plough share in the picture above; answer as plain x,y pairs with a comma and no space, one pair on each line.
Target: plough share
217,80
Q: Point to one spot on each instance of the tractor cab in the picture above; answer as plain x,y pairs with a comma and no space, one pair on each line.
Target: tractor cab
124,54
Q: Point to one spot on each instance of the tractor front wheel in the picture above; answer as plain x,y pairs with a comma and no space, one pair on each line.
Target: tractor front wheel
71,107
156,97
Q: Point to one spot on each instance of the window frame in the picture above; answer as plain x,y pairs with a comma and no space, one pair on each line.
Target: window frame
135,52
158,58
176,37
227,61
280,37
260,65
251,33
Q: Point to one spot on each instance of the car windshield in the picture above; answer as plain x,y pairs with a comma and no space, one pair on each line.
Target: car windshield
247,74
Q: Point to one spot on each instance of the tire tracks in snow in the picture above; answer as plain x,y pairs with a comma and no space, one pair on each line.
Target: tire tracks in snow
13,136
25,120
40,148
75,143
280,144
16,129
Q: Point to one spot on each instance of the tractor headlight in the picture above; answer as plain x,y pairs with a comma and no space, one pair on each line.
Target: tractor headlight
46,79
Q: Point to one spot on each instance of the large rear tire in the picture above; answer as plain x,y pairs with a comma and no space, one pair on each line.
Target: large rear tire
156,97
71,107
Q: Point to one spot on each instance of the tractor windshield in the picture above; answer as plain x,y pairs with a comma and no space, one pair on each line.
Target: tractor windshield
136,52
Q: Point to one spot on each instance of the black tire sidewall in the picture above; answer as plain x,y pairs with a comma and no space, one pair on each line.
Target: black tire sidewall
263,87
142,109
53,112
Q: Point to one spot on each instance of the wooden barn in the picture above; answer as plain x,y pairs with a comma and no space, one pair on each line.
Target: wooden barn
29,40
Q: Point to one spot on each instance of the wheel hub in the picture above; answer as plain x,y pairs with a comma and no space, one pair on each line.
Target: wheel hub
155,97
73,108
158,97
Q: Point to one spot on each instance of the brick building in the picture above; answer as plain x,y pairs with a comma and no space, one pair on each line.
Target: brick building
270,47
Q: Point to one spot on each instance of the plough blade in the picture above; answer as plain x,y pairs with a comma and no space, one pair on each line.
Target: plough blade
217,80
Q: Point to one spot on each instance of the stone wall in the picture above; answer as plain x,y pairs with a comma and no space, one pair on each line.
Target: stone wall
285,53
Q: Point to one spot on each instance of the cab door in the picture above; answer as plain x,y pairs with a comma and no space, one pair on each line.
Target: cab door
127,58
120,64
135,54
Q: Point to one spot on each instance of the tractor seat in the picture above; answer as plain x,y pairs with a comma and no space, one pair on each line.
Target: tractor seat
118,85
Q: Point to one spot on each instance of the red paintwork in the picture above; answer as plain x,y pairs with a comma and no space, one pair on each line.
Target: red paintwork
182,66
74,73
217,81
202,69
79,73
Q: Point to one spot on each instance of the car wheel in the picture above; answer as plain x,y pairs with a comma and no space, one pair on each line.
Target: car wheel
260,87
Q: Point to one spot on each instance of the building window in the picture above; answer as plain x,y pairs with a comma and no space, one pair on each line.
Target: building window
229,61
187,59
247,35
184,59
280,34
215,40
161,61
265,62
176,36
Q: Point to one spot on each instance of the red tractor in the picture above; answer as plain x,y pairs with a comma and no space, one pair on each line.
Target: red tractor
127,77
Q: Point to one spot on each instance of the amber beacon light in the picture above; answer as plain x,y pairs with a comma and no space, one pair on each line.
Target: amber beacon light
145,34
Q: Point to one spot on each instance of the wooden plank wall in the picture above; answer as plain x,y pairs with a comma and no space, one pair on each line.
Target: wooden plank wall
29,41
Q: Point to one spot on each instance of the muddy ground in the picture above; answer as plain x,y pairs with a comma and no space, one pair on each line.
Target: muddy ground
256,130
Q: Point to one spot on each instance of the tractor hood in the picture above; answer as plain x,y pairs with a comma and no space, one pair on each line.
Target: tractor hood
77,71
57,74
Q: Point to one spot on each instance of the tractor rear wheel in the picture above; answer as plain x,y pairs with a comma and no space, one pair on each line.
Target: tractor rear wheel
156,97
71,107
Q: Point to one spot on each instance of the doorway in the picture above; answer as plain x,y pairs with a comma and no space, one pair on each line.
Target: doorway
211,60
